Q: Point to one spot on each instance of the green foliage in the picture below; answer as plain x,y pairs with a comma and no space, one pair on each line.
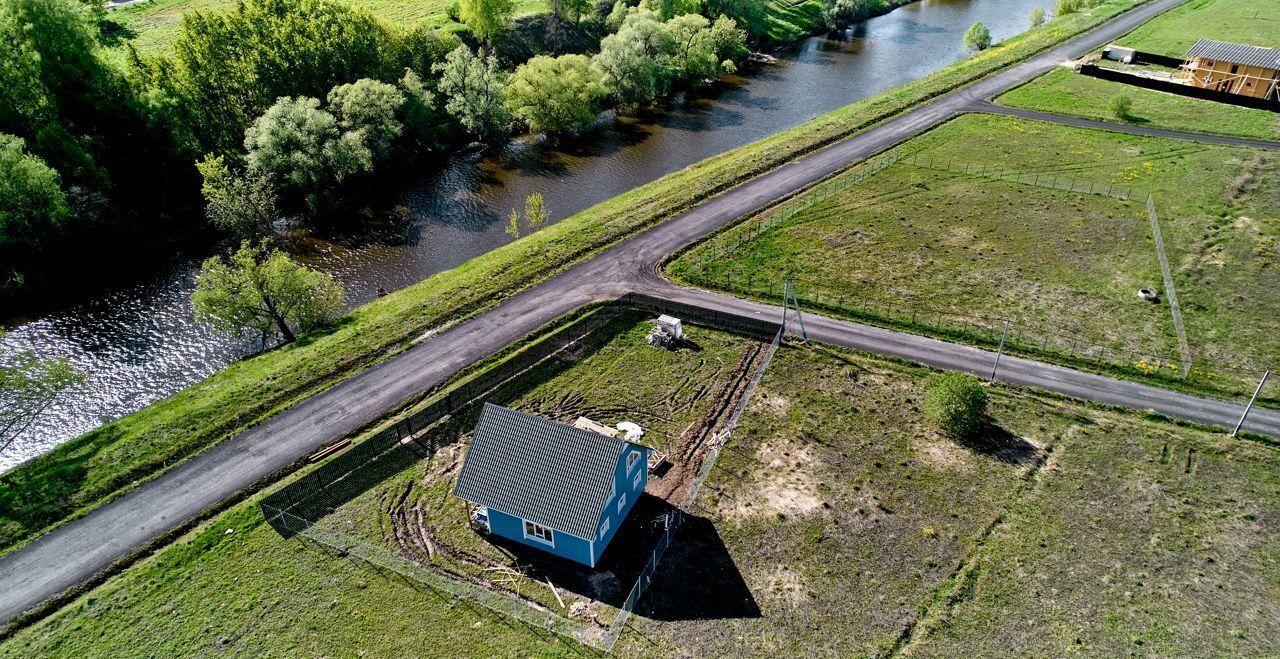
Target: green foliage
486,18
556,94
371,108
955,403
263,290
535,211
842,13
1064,7
636,60
1120,106
301,148
1037,17
752,15
28,386
977,37
241,204
33,205
699,48
233,65
473,87
513,224
668,9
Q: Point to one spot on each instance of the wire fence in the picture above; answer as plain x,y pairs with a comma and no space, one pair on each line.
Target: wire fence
1217,371
299,507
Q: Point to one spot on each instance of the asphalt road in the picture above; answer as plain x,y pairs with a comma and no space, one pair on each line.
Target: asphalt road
80,549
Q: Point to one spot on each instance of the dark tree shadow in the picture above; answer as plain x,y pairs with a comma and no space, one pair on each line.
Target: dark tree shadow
1001,444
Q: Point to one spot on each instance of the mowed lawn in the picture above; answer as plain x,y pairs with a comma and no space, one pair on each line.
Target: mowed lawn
1063,91
930,238
839,523
152,26
1254,22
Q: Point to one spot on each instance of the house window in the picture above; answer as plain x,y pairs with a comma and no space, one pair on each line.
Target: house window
635,482
604,528
613,492
622,503
632,458
1234,68
537,532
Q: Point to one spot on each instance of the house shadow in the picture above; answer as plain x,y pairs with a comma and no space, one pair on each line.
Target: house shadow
993,440
696,555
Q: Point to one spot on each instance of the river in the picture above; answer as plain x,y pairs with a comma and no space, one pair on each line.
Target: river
139,343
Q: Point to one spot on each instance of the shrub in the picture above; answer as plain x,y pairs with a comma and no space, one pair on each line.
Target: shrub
1120,106
1037,17
977,38
955,403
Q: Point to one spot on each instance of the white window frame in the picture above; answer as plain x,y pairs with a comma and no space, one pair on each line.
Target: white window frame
622,502
604,528
613,492
537,529
635,482
632,458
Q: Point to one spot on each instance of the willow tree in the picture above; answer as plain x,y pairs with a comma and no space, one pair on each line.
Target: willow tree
29,385
264,291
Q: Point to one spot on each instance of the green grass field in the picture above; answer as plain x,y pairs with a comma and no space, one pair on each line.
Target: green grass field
1254,22
917,236
859,531
83,473
835,522
1062,91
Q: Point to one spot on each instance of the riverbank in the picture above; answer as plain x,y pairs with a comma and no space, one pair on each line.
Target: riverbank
85,472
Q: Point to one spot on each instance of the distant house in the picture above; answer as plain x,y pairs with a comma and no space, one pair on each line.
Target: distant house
549,485
1234,68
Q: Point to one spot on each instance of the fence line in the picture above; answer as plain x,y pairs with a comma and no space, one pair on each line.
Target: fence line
315,492
1046,180
1168,287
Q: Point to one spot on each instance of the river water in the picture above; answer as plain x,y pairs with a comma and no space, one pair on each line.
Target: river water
140,345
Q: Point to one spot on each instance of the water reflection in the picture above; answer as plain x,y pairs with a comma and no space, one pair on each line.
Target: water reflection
140,344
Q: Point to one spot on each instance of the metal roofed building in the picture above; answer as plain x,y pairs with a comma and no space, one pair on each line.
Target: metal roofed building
1235,68
549,485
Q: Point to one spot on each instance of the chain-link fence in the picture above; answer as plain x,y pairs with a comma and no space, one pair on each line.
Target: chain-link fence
297,508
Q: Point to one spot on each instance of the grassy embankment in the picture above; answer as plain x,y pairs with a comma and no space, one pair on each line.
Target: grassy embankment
1055,262
87,471
1064,92
835,520
857,530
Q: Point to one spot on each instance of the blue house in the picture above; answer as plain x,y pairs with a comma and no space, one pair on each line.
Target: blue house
561,489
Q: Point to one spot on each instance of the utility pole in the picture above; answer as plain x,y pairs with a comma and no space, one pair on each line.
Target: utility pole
789,297
1000,351
1249,407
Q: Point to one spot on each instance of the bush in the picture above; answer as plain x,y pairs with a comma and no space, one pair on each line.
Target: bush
955,403
1120,106
977,38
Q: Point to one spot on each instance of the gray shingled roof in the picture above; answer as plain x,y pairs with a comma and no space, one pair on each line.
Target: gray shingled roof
534,468
1234,53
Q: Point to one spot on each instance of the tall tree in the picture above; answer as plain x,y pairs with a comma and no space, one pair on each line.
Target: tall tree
301,147
28,386
33,206
486,18
371,107
473,86
636,60
556,94
264,291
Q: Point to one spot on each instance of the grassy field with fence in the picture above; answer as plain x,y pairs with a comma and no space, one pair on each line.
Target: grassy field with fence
1253,22
990,218
853,528
1063,91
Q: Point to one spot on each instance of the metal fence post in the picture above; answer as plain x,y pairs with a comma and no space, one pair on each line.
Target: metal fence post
1235,432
